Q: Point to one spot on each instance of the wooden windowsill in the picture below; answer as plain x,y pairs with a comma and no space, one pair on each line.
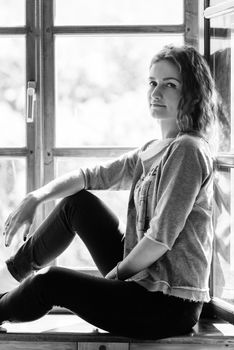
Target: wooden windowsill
71,330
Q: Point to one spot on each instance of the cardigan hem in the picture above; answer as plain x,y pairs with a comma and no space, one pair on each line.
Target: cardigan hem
189,293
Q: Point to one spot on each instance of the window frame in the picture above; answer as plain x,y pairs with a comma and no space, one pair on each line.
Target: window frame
190,29
49,31
29,150
225,160
32,150
40,32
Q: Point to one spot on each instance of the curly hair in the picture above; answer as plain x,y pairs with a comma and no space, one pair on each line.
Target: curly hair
198,104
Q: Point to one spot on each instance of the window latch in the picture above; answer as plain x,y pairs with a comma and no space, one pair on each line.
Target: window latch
31,99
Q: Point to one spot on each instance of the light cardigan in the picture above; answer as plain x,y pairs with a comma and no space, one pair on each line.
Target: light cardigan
171,191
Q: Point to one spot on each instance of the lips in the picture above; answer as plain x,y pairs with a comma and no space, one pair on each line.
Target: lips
156,105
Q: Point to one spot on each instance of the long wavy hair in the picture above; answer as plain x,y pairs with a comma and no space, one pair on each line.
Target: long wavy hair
197,108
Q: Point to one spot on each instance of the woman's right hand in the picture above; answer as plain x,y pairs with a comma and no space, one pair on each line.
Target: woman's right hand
23,215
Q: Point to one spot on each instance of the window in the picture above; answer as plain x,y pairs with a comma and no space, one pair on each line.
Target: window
221,62
14,145
90,74
102,96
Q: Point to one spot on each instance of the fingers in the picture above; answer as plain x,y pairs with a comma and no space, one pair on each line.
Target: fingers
26,231
12,230
21,218
7,224
5,229
112,274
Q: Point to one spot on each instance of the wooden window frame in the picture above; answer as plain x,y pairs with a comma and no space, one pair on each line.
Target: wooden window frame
28,151
218,307
40,32
189,28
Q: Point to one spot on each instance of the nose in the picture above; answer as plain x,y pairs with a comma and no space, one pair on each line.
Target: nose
156,93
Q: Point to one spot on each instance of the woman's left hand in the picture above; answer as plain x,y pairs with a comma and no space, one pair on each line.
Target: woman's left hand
112,275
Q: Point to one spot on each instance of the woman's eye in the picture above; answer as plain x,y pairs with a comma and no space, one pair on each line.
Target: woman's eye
153,83
172,85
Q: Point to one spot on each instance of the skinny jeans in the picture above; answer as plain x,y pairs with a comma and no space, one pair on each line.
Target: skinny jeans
121,307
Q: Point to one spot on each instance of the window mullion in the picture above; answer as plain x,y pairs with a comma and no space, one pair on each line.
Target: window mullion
48,94
191,23
30,76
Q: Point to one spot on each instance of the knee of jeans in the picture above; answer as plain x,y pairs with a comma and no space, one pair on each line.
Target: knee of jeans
47,273
41,289
44,278
80,202
77,198
44,271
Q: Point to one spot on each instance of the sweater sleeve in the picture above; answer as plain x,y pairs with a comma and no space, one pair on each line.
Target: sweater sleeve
115,175
182,173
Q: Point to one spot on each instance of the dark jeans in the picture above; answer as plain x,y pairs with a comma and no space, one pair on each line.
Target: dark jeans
120,307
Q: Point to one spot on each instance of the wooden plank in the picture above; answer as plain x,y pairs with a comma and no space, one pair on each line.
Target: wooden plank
191,32
118,29
30,76
155,346
69,328
223,309
13,152
90,151
103,346
48,93
17,345
14,30
48,81
39,115
219,33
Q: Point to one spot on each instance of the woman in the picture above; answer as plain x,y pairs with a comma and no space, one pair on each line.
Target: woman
156,273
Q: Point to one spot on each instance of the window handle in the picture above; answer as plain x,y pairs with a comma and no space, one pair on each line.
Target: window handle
31,99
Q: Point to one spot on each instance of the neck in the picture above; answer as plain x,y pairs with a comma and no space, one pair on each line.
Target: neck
168,130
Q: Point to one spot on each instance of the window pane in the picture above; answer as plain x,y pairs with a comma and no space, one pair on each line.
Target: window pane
215,2
103,12
77,254
223,262
12,92
12,13
102,97
221,66
12,191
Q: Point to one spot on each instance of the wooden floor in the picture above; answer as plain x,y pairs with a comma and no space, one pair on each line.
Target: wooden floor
68,332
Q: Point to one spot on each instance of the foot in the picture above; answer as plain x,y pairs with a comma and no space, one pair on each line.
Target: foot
7,281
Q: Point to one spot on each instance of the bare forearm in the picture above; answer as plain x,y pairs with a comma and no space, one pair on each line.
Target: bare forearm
60,187
23,214
145,253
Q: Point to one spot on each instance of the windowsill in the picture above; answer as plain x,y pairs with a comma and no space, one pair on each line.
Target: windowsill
72,329
223,309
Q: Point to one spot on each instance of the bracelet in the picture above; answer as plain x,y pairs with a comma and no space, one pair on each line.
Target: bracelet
117,270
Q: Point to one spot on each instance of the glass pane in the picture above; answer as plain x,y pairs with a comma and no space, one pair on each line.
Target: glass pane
12,13
215,2
223,262
102,97
77,254
117,12
12,92
221,65
12,191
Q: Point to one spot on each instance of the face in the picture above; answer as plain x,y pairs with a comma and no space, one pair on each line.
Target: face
165,85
